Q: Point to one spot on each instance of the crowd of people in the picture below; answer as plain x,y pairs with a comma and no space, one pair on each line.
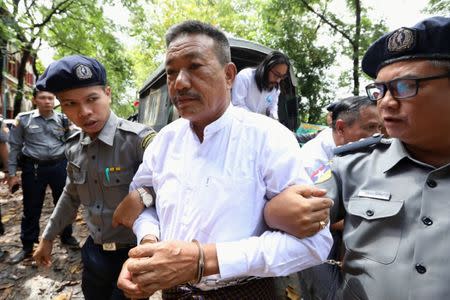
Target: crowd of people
222,201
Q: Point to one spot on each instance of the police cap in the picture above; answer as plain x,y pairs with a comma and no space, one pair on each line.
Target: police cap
72,72
428,39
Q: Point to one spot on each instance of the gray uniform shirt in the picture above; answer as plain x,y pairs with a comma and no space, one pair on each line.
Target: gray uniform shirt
397,224
37,137
99,173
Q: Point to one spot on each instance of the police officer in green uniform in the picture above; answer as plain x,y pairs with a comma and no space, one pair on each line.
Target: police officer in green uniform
37,140
394,195
102,160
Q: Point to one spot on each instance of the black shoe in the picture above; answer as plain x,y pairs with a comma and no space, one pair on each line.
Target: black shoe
70,241
24,253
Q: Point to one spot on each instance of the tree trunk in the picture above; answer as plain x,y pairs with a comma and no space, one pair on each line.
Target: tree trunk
20,80
355,47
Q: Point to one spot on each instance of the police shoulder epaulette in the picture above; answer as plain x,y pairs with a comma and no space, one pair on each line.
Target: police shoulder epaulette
366,144
73,134
25,113
131,126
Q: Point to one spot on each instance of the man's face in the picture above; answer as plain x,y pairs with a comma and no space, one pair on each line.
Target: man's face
87,107
44,101
276,74
422,120
199,86
368,124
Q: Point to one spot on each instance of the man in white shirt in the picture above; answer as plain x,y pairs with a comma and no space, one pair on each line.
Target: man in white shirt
352,118
257,89
213,171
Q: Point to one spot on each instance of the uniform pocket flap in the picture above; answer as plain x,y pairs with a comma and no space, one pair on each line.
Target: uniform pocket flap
78,176
372,209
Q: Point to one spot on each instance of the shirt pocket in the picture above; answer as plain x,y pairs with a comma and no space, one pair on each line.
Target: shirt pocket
374,228
116,187
79,179
35,133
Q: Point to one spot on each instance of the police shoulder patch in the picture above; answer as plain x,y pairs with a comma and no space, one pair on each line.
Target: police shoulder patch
366,144
325,177
147,139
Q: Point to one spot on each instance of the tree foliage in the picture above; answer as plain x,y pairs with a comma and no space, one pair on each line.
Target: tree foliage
70,27
439,7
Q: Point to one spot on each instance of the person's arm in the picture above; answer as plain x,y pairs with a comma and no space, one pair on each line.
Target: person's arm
63,214
273,106
239,91
15,143
298,210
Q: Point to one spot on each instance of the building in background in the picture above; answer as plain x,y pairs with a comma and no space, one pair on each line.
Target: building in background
10,58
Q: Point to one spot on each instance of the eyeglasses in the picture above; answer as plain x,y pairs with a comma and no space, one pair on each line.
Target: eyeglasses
401,88
277,75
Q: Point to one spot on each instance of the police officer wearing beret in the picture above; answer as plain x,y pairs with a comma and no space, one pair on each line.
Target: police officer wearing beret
102,160
37,140
395,196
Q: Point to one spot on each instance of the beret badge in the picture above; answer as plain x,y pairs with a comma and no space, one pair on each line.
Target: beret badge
83,72
401,40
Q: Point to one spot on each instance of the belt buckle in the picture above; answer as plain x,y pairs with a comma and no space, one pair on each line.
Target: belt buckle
109,247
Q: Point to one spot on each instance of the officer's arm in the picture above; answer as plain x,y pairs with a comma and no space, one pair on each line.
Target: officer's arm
298,210
15,143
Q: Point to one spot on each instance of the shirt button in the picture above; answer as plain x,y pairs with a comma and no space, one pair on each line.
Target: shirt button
95,180
427,221
370,212
431,183
420,269
93,156
98,229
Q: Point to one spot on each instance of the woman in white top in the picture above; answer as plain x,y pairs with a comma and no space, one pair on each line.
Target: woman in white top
258,89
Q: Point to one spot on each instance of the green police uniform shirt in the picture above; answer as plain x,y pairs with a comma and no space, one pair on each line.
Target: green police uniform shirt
397,224
99,173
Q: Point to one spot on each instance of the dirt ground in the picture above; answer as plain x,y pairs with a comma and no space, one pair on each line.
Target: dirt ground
62,281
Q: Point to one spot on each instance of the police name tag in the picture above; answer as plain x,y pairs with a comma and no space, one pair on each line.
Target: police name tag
375,194
109,247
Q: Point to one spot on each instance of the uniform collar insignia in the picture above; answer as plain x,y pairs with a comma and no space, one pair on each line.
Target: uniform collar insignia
401,40
83,72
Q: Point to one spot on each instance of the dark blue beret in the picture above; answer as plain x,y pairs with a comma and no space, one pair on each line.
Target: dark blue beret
71,72
429,39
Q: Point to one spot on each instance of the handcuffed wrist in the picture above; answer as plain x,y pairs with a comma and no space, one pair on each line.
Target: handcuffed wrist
200,263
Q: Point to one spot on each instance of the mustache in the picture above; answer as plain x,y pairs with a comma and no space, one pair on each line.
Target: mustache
185,93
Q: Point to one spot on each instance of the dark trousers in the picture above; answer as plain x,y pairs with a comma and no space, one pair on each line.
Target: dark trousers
101,270
35,179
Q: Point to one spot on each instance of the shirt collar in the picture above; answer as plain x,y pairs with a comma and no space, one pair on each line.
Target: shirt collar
36,114
396,153
109,130
107,133
220,123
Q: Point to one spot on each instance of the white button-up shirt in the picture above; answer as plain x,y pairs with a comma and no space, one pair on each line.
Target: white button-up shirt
245,94
215,191
316,154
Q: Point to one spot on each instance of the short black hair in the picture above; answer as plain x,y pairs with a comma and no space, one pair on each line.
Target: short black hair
262,71
348,109
222,46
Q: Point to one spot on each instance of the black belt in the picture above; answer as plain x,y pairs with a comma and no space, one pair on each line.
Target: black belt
115,246
43,163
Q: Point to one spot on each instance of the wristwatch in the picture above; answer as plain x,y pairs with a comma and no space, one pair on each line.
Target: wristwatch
146,197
